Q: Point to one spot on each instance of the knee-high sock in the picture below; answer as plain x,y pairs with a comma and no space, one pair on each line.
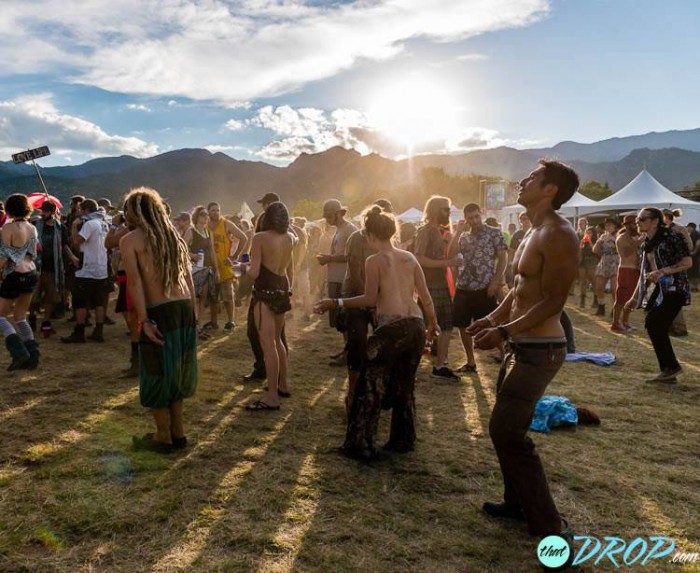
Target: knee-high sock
24,330
6,328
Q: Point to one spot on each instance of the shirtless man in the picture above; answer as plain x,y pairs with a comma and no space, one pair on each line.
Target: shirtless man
627,245
159,280
545,266
392,277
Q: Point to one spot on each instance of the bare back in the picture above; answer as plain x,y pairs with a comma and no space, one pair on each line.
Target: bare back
396,272
545,265
275,250
133,246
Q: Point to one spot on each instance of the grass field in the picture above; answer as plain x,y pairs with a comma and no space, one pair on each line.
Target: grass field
267,492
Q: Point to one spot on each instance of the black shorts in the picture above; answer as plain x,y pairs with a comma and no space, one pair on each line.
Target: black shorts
89,293
472,305
334,290
16,284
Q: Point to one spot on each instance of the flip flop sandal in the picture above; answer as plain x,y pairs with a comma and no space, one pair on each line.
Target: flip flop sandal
259,406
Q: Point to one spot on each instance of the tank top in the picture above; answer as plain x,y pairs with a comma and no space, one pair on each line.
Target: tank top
201,243
222,246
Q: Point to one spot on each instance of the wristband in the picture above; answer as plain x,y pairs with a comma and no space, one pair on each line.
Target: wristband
504,332
339,302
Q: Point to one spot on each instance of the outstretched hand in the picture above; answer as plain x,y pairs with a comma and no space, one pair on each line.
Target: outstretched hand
477,326
488,338
324,305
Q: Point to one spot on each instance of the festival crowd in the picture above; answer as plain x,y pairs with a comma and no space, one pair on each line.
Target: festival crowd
393,291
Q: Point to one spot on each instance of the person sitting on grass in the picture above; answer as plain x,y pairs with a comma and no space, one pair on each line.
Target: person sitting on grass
387,378
157,266
272,270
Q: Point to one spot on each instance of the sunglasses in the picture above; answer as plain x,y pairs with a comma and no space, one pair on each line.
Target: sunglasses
445,209
642,219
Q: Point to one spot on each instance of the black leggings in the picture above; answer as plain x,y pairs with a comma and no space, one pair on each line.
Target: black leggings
657,323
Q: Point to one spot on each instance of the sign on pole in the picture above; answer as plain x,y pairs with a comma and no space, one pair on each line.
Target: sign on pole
31,154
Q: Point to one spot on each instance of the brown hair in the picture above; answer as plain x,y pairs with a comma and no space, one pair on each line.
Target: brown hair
17,206
564,177
379,223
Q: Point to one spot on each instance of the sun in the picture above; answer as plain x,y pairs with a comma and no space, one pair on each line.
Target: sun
414,111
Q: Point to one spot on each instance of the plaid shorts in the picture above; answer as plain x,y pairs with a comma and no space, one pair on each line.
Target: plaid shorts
443,307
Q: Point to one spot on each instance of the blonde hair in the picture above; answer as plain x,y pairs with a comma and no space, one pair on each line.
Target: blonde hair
146,210
432,207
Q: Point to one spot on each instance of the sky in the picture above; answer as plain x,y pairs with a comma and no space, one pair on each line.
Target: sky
266,80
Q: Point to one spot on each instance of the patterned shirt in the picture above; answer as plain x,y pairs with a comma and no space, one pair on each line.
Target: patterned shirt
480,251
669,251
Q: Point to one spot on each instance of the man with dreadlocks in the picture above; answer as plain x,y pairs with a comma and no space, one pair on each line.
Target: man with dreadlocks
159,280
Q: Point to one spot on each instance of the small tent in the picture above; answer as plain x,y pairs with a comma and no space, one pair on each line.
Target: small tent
411,215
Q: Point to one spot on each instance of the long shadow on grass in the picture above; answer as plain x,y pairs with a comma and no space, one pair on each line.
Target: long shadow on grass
248,497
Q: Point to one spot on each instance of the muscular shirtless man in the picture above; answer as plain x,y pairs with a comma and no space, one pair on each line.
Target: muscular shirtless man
157,265
545,266
627,245
387,378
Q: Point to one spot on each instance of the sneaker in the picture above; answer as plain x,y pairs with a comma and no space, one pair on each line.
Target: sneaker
229,326
444,373
667,375
210,326
503,511
466,368
618,329
254,375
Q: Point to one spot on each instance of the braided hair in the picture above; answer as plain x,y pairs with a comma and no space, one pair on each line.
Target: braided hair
146,210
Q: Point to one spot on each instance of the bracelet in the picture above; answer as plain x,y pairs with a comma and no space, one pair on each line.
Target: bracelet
339,303
490,320
504,332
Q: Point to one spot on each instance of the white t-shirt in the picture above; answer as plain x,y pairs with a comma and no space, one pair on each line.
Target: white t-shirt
94,252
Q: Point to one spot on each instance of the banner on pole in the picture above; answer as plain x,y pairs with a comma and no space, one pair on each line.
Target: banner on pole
31,154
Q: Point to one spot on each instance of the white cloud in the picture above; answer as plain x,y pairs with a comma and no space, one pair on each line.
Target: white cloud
231,50
33,120
313,130
472,57
235,125
137,107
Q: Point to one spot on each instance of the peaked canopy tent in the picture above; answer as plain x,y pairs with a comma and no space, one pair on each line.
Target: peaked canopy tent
645,191
411,215
572,208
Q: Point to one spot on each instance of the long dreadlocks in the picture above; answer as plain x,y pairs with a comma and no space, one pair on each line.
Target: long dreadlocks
146,210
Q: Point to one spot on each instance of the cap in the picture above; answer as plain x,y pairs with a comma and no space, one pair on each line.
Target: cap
629,220
269,198
333,206
104,202
48,207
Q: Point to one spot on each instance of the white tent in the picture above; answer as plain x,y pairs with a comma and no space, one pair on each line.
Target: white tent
411,215
573,208
645,191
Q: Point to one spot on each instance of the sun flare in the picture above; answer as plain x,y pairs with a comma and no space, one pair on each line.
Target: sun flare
414,111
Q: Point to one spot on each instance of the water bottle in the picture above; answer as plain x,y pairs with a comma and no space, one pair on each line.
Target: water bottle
200,259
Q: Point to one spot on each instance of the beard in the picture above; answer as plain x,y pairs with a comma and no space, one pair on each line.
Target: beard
444,218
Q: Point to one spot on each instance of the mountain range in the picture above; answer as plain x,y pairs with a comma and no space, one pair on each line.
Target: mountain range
190,176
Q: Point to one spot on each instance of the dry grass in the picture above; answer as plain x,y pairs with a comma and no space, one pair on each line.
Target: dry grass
266,492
